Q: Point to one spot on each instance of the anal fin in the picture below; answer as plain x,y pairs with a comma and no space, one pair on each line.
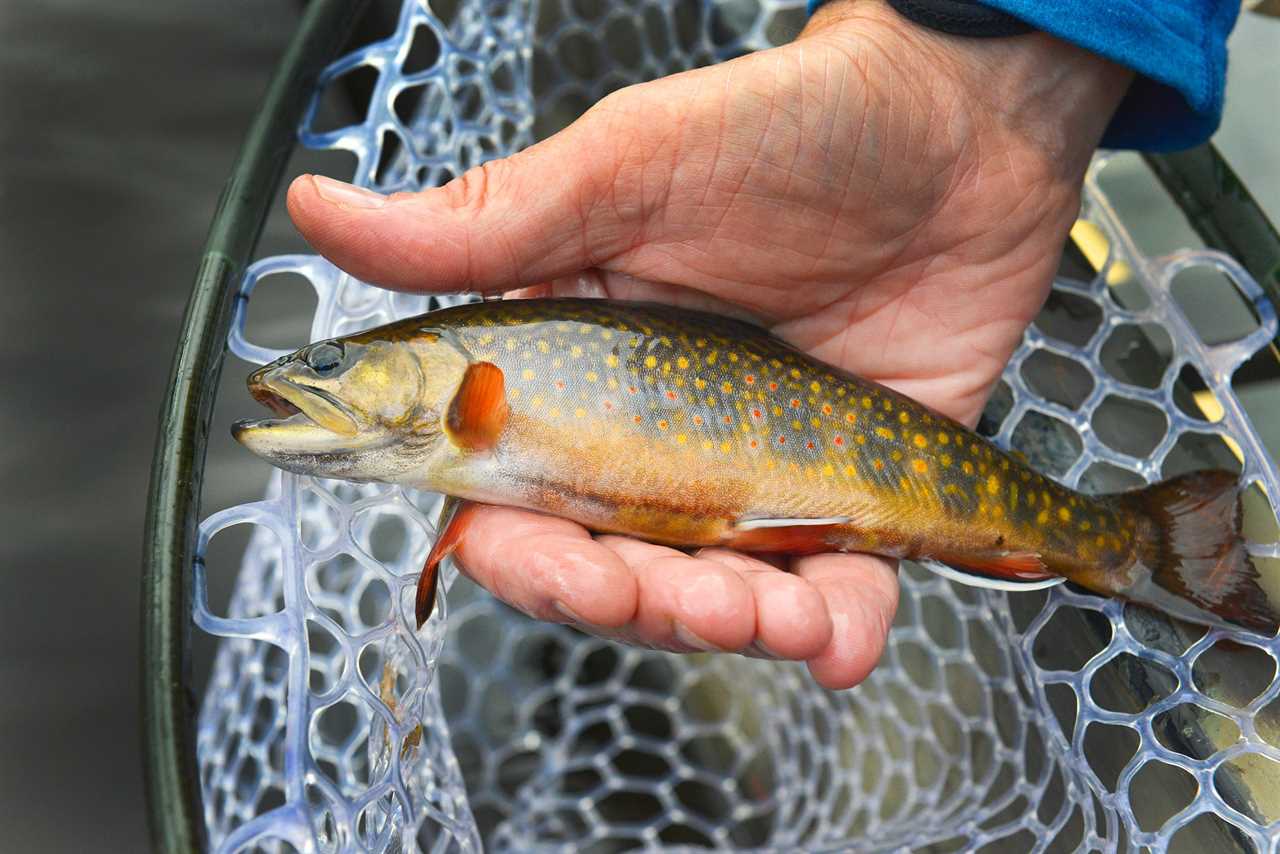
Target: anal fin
455,517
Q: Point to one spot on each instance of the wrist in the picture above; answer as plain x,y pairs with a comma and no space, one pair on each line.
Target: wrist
1032,89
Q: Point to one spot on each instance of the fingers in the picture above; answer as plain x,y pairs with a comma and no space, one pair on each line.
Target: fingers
833,612
791,617
553,209
549,568
861,593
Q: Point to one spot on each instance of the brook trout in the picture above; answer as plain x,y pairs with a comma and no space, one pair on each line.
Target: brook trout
691,429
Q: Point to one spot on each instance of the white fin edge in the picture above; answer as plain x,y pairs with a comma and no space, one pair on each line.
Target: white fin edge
970,580
753,524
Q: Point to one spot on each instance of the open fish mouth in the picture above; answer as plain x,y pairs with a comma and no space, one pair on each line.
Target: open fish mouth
305,421
297,403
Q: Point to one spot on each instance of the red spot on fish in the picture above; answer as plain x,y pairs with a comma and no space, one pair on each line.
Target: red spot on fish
755,413
809,445
671,395
728,419
795,403
826,409
560,384
782,440
697,419
754,443
773,386
839,440
608,405
749,379
637,419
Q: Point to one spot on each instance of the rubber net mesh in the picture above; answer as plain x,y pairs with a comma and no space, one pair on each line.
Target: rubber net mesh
993,719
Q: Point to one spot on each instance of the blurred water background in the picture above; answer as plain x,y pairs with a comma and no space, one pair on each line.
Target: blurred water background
118,124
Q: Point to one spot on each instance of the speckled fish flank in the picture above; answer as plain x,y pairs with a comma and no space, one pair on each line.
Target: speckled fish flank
692,429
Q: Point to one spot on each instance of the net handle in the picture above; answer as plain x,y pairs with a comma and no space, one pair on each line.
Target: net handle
175,814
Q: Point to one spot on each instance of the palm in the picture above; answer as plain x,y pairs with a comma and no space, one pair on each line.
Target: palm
887,228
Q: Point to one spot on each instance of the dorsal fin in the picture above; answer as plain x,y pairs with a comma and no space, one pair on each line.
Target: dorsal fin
479,409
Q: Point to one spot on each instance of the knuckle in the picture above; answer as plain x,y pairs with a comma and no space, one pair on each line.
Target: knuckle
472,191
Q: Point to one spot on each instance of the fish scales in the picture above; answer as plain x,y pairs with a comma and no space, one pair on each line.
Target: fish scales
622,402
693,429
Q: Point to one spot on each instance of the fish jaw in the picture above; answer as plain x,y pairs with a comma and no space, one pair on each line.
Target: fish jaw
314,433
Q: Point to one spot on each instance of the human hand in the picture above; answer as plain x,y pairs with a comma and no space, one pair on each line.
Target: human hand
890,200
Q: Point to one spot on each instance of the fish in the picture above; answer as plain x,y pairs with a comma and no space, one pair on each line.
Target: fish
691,429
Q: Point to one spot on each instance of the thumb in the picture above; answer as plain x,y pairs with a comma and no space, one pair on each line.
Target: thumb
553,209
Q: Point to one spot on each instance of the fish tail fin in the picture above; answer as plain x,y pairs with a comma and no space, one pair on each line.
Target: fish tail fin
1196,553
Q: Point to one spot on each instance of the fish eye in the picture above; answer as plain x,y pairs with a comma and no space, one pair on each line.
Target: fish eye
324,359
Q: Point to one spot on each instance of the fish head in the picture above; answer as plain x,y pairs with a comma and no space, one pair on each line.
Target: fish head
361,408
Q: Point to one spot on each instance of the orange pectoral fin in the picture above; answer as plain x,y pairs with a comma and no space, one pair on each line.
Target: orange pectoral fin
479,409
455,518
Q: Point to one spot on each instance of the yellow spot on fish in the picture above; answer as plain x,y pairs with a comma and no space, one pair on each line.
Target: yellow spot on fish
921,441
706,445
895,455
575,351
733,357
904,484
967,467
700,342
682,363
815,422
537,401
850,471
888,405
945,459
1100,541
726,387
592,376
777,411
513,393
920,466
878,465
528,373
681,438
997,511
950,489
580,413
795,374
699,384
554,412
511,344
904,417
611,360
866,403
1085,525
815,387
543,346
711,401
993,485
943,438
606,334
1042,518
884,433
860,439
611,383
796,425
1013,495
650,362
828,470
725,447
711,357
1064,514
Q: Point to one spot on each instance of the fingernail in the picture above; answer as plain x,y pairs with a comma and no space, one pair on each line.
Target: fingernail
568,613
346,195
688,638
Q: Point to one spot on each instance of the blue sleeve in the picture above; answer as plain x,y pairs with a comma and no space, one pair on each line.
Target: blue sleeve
1178,48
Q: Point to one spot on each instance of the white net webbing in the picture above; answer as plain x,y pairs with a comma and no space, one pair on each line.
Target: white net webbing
992,721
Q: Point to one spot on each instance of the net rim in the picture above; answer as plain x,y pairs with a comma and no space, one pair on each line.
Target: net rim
175,815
